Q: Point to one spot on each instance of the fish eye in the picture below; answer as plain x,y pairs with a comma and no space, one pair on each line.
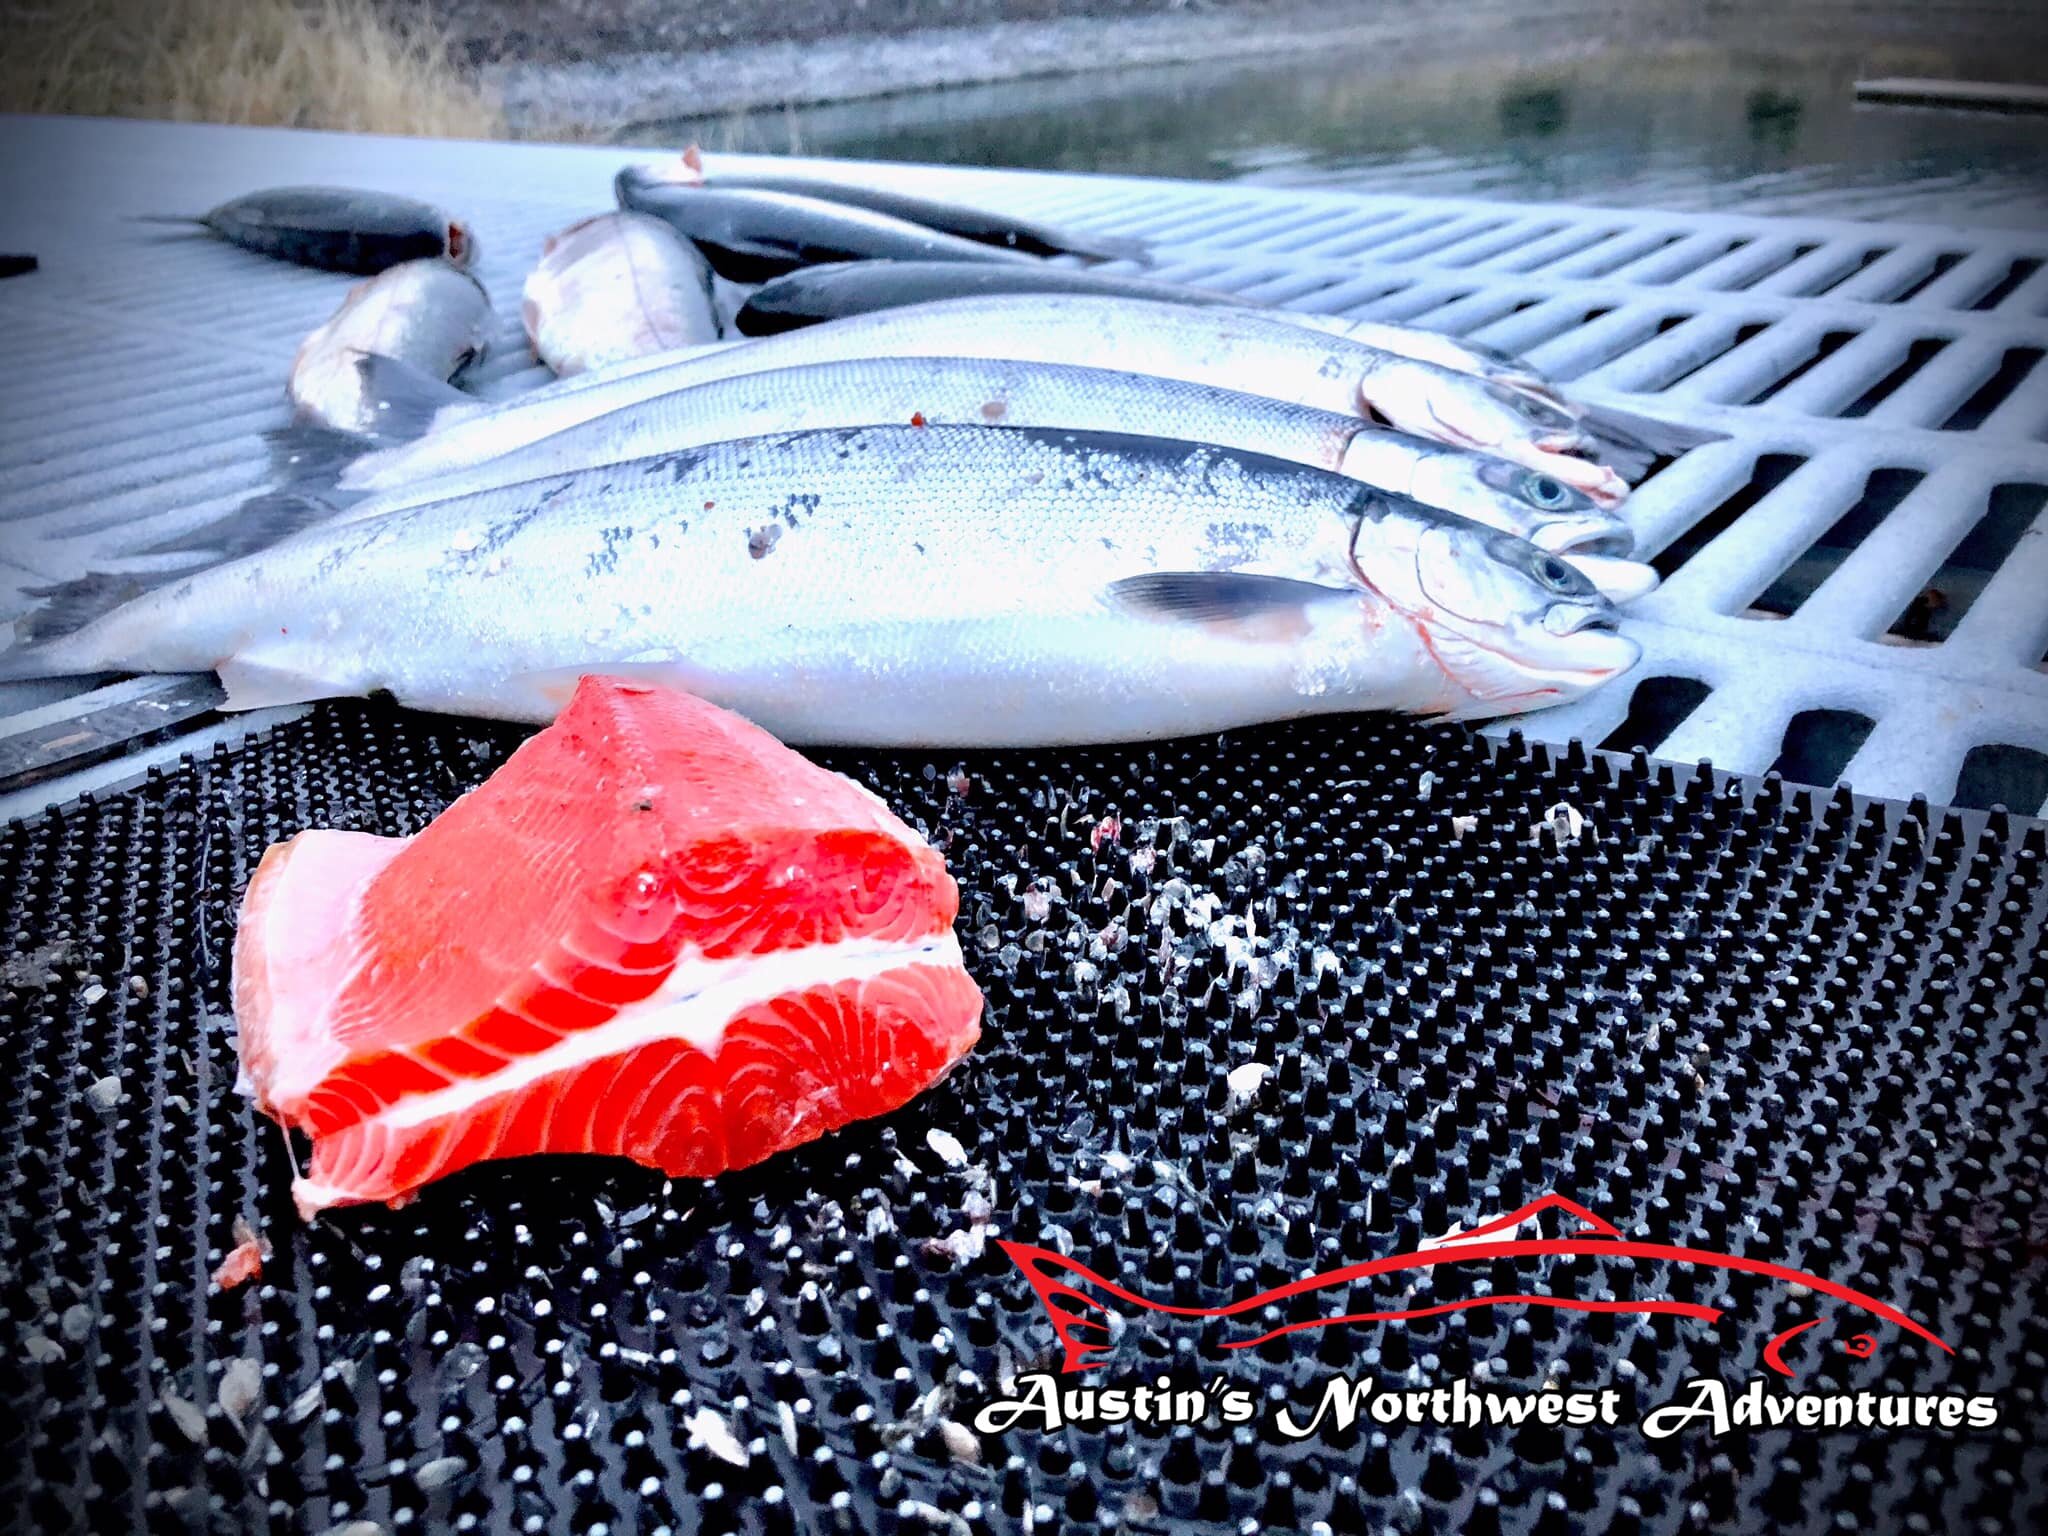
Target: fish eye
1545,492
1546,570
1559,577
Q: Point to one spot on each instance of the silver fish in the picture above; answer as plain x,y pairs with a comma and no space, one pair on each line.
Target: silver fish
941,391
344,229
613,287
1225,348
750,236
424,313
970,223
809,295
936,586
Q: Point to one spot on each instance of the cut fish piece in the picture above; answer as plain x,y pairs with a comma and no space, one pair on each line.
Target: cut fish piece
656,932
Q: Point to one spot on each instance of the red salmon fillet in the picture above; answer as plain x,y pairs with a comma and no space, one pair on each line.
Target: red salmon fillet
656,932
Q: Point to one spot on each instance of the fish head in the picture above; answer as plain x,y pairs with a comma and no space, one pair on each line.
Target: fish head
1509,626
1531,503
1488,417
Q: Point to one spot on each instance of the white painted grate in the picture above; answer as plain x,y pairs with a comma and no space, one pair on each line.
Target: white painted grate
1857,580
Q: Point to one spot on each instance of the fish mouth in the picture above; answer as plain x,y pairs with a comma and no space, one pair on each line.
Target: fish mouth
1619,581
1563,619
1597,650
1607,537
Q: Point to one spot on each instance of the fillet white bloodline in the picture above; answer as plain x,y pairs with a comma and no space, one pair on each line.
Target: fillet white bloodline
694,1004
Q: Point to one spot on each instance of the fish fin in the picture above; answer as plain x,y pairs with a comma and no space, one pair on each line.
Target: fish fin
1216,597
405,398
308,454
66,607
29,662
258,685
182,220
1631,444
257,523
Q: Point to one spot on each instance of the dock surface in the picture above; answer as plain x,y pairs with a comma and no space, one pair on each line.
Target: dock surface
1883,387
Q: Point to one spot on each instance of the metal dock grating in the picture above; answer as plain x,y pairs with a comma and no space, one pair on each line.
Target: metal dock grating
1857,581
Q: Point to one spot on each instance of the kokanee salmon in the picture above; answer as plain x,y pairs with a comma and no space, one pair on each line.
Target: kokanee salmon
655,933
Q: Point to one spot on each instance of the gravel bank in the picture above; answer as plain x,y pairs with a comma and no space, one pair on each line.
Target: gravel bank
595,68
603,97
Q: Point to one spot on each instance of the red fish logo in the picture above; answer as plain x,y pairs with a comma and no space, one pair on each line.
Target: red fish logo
1081,1320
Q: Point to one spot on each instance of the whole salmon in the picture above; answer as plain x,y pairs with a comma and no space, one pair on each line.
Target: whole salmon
750,235
986,226
897,586
937,391
1224,348
342,229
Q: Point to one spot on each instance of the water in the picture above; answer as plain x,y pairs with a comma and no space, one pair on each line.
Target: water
1689,126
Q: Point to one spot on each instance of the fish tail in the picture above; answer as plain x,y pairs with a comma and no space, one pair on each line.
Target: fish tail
405,399
255,524
51,640
113,621
26,664
309,457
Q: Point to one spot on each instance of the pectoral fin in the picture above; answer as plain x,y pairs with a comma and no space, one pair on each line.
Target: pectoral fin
1251,607
259,685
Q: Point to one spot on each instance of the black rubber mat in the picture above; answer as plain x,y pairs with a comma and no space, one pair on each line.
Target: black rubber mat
1743,1018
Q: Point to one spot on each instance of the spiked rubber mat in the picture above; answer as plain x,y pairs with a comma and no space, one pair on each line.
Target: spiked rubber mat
1733,1016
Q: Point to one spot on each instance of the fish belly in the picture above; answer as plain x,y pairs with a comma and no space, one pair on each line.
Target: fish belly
656,933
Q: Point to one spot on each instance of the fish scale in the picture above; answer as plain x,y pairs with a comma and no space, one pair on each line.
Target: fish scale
1734,1014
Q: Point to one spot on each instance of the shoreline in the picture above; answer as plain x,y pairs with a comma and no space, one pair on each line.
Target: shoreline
609,93
609,98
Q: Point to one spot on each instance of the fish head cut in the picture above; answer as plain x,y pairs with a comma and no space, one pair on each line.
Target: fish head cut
1493,418
684,170
1508,626
1530,503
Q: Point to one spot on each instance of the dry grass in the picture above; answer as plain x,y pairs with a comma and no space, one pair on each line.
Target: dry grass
297,63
